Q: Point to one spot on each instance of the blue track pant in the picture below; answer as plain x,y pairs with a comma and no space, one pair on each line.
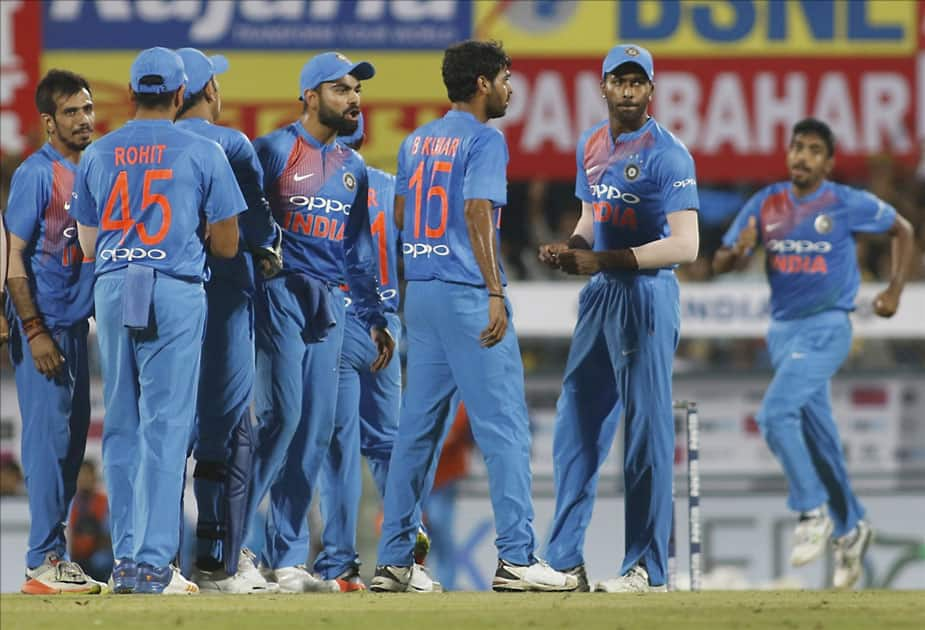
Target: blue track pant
796,414
368,404
443,322
225,388
55,419
150,386
619,361
295,397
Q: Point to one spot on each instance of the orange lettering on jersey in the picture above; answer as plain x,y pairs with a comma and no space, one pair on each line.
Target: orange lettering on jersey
119,154
142,154
627,219
602,210
336,234
794,263
301,223
819,265
322,225
371,198
425,150
415,146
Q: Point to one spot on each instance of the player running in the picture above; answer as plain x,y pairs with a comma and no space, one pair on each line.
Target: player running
224,441
51,288
317,189
807,226
149,198
638,220
451,175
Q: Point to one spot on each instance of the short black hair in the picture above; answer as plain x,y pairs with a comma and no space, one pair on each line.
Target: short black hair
816,127
55,84
154,100
189,102
465,62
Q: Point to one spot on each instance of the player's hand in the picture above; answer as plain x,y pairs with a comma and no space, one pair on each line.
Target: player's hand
47,357
497,323
748,237
270,259
582,262
886,303
4,329
385,346
549,253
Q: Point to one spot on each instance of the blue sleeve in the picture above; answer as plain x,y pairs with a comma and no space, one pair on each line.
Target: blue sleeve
30,192
84,207
401,176
752,208
271,161
257,224
582,186
869,213
360,258
677,180
486,169
222,198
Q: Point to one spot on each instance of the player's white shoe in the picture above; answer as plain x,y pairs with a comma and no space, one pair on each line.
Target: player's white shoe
422,582
218,581
391,579
297,579
849,553
247,569
538,576
810,538
56,576
582,576
636,580
179,585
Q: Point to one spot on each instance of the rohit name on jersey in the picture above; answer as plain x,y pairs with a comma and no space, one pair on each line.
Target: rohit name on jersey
614,206
798,256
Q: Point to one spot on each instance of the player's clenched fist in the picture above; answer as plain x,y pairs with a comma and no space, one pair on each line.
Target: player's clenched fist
748,238
579,261
385,345
549,253
886,303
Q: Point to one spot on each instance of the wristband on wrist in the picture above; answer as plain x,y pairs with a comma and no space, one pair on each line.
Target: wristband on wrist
33,327
496,295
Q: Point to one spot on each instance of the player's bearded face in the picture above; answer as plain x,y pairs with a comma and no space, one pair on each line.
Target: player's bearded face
73,120
808,160
500,96
339,106
627,92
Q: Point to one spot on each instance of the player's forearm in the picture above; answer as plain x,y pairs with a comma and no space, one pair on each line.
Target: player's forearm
21,294
86,236
726,259
668,251
362,272
583,235
901,249
481,228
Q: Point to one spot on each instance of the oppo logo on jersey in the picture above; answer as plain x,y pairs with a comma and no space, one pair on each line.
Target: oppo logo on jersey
384,295
320,203
132,253
799,247
424,249
603,191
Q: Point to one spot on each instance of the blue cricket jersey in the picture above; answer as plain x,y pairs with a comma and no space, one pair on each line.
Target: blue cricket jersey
150,188
61,278
440,166
318,194
385,234
811,260
633,183
256,224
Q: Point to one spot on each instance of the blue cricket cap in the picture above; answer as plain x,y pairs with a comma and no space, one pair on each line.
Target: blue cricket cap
158,62
200,68
356,136
331,66
628,53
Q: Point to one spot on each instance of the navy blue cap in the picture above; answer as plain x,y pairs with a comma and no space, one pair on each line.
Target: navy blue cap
331,66
628,53
199,68
159,62
355,137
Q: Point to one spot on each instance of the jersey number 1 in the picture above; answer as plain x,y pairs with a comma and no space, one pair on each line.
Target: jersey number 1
433,190
124,224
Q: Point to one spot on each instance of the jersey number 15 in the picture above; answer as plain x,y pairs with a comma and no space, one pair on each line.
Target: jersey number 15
434,189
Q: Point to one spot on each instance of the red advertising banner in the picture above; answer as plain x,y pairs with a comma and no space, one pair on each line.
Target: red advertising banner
733,114
20,52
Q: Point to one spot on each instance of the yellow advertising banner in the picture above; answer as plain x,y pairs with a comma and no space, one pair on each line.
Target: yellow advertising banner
702,28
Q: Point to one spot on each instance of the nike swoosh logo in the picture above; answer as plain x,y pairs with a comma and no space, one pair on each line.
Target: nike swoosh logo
67,206
626,353
299,178
774,226
592,169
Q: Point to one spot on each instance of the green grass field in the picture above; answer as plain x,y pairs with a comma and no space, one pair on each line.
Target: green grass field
787,610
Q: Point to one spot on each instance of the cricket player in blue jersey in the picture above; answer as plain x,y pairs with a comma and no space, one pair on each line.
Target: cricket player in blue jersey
224,440
807,226
317,189
149,198
638,194
450,188
51,289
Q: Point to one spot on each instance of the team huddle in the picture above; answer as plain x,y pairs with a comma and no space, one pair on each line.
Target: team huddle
223,274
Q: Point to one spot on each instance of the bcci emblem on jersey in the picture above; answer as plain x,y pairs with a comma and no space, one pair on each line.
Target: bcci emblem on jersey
631,172
350,182
823,224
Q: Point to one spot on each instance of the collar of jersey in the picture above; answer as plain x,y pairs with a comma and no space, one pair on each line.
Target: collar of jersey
199,120
796,201
455,113
312,140
57,157
630,135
